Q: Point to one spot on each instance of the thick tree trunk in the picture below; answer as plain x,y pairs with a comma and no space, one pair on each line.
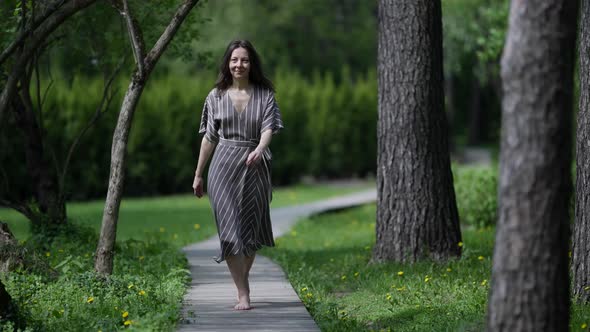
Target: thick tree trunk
104,252
417,213
530,285
581,234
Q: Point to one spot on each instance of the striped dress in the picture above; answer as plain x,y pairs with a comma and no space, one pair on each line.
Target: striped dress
240,195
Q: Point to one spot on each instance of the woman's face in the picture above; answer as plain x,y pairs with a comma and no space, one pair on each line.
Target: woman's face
239,64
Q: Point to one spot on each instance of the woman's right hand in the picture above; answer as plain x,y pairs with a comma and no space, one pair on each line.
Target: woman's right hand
198,186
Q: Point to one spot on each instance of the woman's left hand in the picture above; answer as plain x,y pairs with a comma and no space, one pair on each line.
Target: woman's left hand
254,156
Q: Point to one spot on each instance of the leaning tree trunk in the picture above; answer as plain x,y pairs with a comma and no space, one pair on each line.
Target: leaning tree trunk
145,64
530,285
581,234
417,213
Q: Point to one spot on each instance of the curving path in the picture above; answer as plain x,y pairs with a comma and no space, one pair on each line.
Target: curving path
208,303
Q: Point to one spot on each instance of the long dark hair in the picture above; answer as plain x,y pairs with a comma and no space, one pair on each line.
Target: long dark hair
256,76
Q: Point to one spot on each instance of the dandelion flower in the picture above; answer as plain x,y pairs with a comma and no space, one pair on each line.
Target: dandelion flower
130,286
162,229
90,300
141,292
584,325
449,269
400,273
48,254
141,258
460,244
480,258
309,295
484,282
304,289
388,297
128,322
343,277
356,274
125,314
197,226
427,279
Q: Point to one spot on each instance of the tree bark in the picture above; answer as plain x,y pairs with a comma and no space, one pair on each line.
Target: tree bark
417,213
581,235
106,243
530,285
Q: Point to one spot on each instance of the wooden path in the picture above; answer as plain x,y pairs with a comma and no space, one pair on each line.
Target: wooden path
208,304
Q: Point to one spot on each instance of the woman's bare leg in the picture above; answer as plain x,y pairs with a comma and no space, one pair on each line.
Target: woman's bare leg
247,266
237,265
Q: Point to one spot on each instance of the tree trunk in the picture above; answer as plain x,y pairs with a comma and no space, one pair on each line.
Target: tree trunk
43,181
104,252
417,213
108,231
530,285
581,234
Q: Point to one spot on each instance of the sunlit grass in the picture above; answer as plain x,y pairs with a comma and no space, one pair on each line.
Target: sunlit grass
327,259
182,219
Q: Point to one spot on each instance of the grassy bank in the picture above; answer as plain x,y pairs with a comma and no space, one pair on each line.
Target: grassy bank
327,259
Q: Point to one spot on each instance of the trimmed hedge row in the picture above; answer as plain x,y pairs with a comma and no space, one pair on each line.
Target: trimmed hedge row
330,131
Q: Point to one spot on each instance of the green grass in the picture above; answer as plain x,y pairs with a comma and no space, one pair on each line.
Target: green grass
56,289
182,219
327,258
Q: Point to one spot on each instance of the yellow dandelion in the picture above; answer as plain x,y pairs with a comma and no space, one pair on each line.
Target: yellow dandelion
141,258
480,258
130,286
128,322
449,269
356,274
400,273
484,282
584,325
309,295
427,279
460,244
197,226
125,314
162,229
401,288
48,254
141,292
304,289
343,278
388,297
90,300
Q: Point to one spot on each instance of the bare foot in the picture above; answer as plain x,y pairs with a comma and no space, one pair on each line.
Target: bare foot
243,303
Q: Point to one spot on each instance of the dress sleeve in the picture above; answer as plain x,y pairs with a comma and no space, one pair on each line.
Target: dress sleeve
209,126
272,116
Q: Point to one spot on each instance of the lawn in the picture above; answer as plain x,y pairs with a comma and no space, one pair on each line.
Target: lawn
182,219
327,260
57,290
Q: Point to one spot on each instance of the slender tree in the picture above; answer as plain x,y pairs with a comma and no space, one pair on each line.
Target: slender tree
581,235
530,285
145,63
417,213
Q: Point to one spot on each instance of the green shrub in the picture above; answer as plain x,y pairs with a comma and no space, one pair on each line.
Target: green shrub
476,191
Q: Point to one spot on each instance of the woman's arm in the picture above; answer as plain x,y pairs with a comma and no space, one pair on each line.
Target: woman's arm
207,148
265,139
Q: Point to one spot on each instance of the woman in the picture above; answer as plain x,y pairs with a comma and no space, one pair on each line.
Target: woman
238,119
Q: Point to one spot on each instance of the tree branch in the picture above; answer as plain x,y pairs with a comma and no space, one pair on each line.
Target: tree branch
24,210
24,33
38,36
181,13
102,107
137,43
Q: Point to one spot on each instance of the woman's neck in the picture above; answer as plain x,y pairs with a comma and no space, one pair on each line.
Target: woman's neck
242,84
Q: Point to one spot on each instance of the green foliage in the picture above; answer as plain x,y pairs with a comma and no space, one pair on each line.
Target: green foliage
476,192
329,131
148,284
